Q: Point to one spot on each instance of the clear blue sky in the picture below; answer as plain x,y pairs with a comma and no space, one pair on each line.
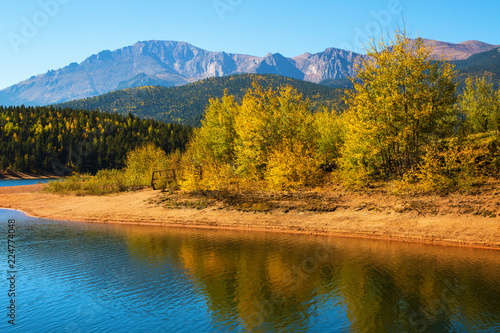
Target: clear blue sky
39,35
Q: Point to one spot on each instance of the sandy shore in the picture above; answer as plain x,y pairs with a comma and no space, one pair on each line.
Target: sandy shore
140,208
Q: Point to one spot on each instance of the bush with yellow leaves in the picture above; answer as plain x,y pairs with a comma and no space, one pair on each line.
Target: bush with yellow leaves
142,161
455,165
291,165
271,137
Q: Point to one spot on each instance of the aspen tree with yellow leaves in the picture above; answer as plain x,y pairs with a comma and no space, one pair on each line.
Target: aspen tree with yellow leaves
402,101
480,104
276,138
269,137
209,159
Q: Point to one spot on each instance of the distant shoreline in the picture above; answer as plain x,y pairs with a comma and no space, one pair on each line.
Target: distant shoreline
138,207
14,175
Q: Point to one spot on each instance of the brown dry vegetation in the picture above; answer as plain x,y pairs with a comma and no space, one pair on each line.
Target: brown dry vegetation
480,201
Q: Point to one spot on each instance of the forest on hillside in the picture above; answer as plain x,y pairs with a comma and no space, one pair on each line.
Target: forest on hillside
187,104
61,141
485,64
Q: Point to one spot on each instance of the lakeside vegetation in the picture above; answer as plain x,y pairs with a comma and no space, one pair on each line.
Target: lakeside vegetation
405,129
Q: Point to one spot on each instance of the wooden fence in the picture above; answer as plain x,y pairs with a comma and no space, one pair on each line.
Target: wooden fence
167,176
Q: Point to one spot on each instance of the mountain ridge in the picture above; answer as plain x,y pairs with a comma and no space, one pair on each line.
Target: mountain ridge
172,63
460,51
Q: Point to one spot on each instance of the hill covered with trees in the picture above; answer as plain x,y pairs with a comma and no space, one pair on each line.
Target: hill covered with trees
64,140
485,64
187,104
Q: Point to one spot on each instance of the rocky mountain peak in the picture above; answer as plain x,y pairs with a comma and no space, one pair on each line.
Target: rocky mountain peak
173,63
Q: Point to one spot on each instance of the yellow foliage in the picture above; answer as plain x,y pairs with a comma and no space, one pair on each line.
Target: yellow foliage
291,165
455,164
480,104
401,102
271,135
217,134
191,177
330,128
141,163
266,120
204,172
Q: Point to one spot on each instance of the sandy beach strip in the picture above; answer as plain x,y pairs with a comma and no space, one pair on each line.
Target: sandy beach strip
138,208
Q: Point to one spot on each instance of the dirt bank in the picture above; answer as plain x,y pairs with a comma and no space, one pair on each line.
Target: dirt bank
457,220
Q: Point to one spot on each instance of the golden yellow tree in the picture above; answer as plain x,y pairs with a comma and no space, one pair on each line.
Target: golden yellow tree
329,137
276,138
271,136
209,160
480,105
402,100
142,161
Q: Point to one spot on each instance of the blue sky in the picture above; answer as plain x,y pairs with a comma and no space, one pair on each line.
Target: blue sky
39,35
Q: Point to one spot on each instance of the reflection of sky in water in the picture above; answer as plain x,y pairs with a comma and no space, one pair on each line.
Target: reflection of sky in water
94,277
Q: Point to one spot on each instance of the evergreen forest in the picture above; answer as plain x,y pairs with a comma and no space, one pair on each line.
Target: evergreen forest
62,141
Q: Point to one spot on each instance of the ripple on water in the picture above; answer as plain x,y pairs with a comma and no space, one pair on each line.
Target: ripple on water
95,278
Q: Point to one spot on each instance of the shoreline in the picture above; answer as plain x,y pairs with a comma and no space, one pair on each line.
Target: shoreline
138,208
14,175
350,234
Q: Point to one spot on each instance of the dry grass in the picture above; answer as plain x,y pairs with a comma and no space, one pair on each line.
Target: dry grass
482,201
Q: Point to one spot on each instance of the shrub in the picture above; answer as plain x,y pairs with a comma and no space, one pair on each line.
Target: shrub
67,185
142,161
455,164
292,166
104,182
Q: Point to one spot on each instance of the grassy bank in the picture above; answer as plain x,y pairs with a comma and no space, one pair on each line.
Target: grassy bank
478,200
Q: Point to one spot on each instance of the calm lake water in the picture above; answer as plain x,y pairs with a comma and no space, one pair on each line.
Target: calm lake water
75,277
20,182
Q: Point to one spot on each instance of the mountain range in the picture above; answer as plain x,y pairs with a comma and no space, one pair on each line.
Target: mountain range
462,51
170,63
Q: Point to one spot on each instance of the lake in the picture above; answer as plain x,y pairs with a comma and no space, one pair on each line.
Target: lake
20,182
77,277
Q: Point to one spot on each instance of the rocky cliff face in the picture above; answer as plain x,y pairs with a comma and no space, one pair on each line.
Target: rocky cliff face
330,64
165,63
169,63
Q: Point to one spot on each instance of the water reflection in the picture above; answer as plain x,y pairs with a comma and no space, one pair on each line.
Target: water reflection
137,278
289,283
